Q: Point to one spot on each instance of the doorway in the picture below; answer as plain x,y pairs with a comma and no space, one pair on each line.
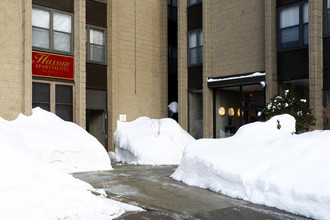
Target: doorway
96,115
97,125
236,106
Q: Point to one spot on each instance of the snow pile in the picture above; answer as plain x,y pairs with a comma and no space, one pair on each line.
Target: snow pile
60,143
266,164
150,141
31,188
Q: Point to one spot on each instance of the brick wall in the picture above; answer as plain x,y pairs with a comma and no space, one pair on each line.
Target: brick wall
182,65
15,65
316,60
137,60
80,61
238,36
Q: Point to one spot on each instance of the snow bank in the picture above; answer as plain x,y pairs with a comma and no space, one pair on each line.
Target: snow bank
63,144
150,141
265,165
30,188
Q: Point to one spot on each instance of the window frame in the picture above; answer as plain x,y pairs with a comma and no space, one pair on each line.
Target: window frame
101,1
301,25
52,98
193,4
88,44
326,22
172,10
52,31
198,47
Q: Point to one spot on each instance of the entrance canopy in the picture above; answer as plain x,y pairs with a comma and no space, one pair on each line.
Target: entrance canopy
235,80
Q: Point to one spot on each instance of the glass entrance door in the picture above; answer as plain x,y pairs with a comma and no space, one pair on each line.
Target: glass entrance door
236,106
253,101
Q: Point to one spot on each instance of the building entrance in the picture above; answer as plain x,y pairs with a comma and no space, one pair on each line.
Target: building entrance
97,126
96,115
236,106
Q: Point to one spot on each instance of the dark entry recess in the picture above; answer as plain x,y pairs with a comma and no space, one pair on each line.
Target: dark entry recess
96,125
96,115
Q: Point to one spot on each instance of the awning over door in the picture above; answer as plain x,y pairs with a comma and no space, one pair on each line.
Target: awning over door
235,80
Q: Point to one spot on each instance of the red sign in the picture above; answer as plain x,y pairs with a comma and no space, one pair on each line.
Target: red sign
51,65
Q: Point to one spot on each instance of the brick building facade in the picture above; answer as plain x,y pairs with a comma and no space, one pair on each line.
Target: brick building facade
229,58
249,52
118,54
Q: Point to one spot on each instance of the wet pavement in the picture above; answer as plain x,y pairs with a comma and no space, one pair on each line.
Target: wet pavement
151,188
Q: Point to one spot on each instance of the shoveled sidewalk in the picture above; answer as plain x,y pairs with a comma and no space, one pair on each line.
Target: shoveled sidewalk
164,198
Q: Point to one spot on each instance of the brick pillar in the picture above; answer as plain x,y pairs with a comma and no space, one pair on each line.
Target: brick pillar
112,70
182,65
207,70
164,58
270,49
316,60
27,57
80,61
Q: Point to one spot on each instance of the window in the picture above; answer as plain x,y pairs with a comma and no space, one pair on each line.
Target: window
103,1
95,44
172,10
172,2
54,97
327,8
195,47
193,2
51,30
293,26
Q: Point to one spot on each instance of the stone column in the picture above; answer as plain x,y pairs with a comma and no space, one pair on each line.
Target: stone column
80,61
316,60
182,65
207,70
270,49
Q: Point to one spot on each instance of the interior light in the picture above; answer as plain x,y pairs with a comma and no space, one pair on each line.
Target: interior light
231,112
239,112
222,111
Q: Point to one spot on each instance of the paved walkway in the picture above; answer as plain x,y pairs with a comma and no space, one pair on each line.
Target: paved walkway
164,198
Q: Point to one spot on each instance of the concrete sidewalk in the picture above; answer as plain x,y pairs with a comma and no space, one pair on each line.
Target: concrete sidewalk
164,198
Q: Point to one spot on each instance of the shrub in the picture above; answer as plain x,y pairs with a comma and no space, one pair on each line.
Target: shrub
288,102
326,117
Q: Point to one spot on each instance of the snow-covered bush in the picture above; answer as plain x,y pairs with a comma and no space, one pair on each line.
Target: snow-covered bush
288,102
326,117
